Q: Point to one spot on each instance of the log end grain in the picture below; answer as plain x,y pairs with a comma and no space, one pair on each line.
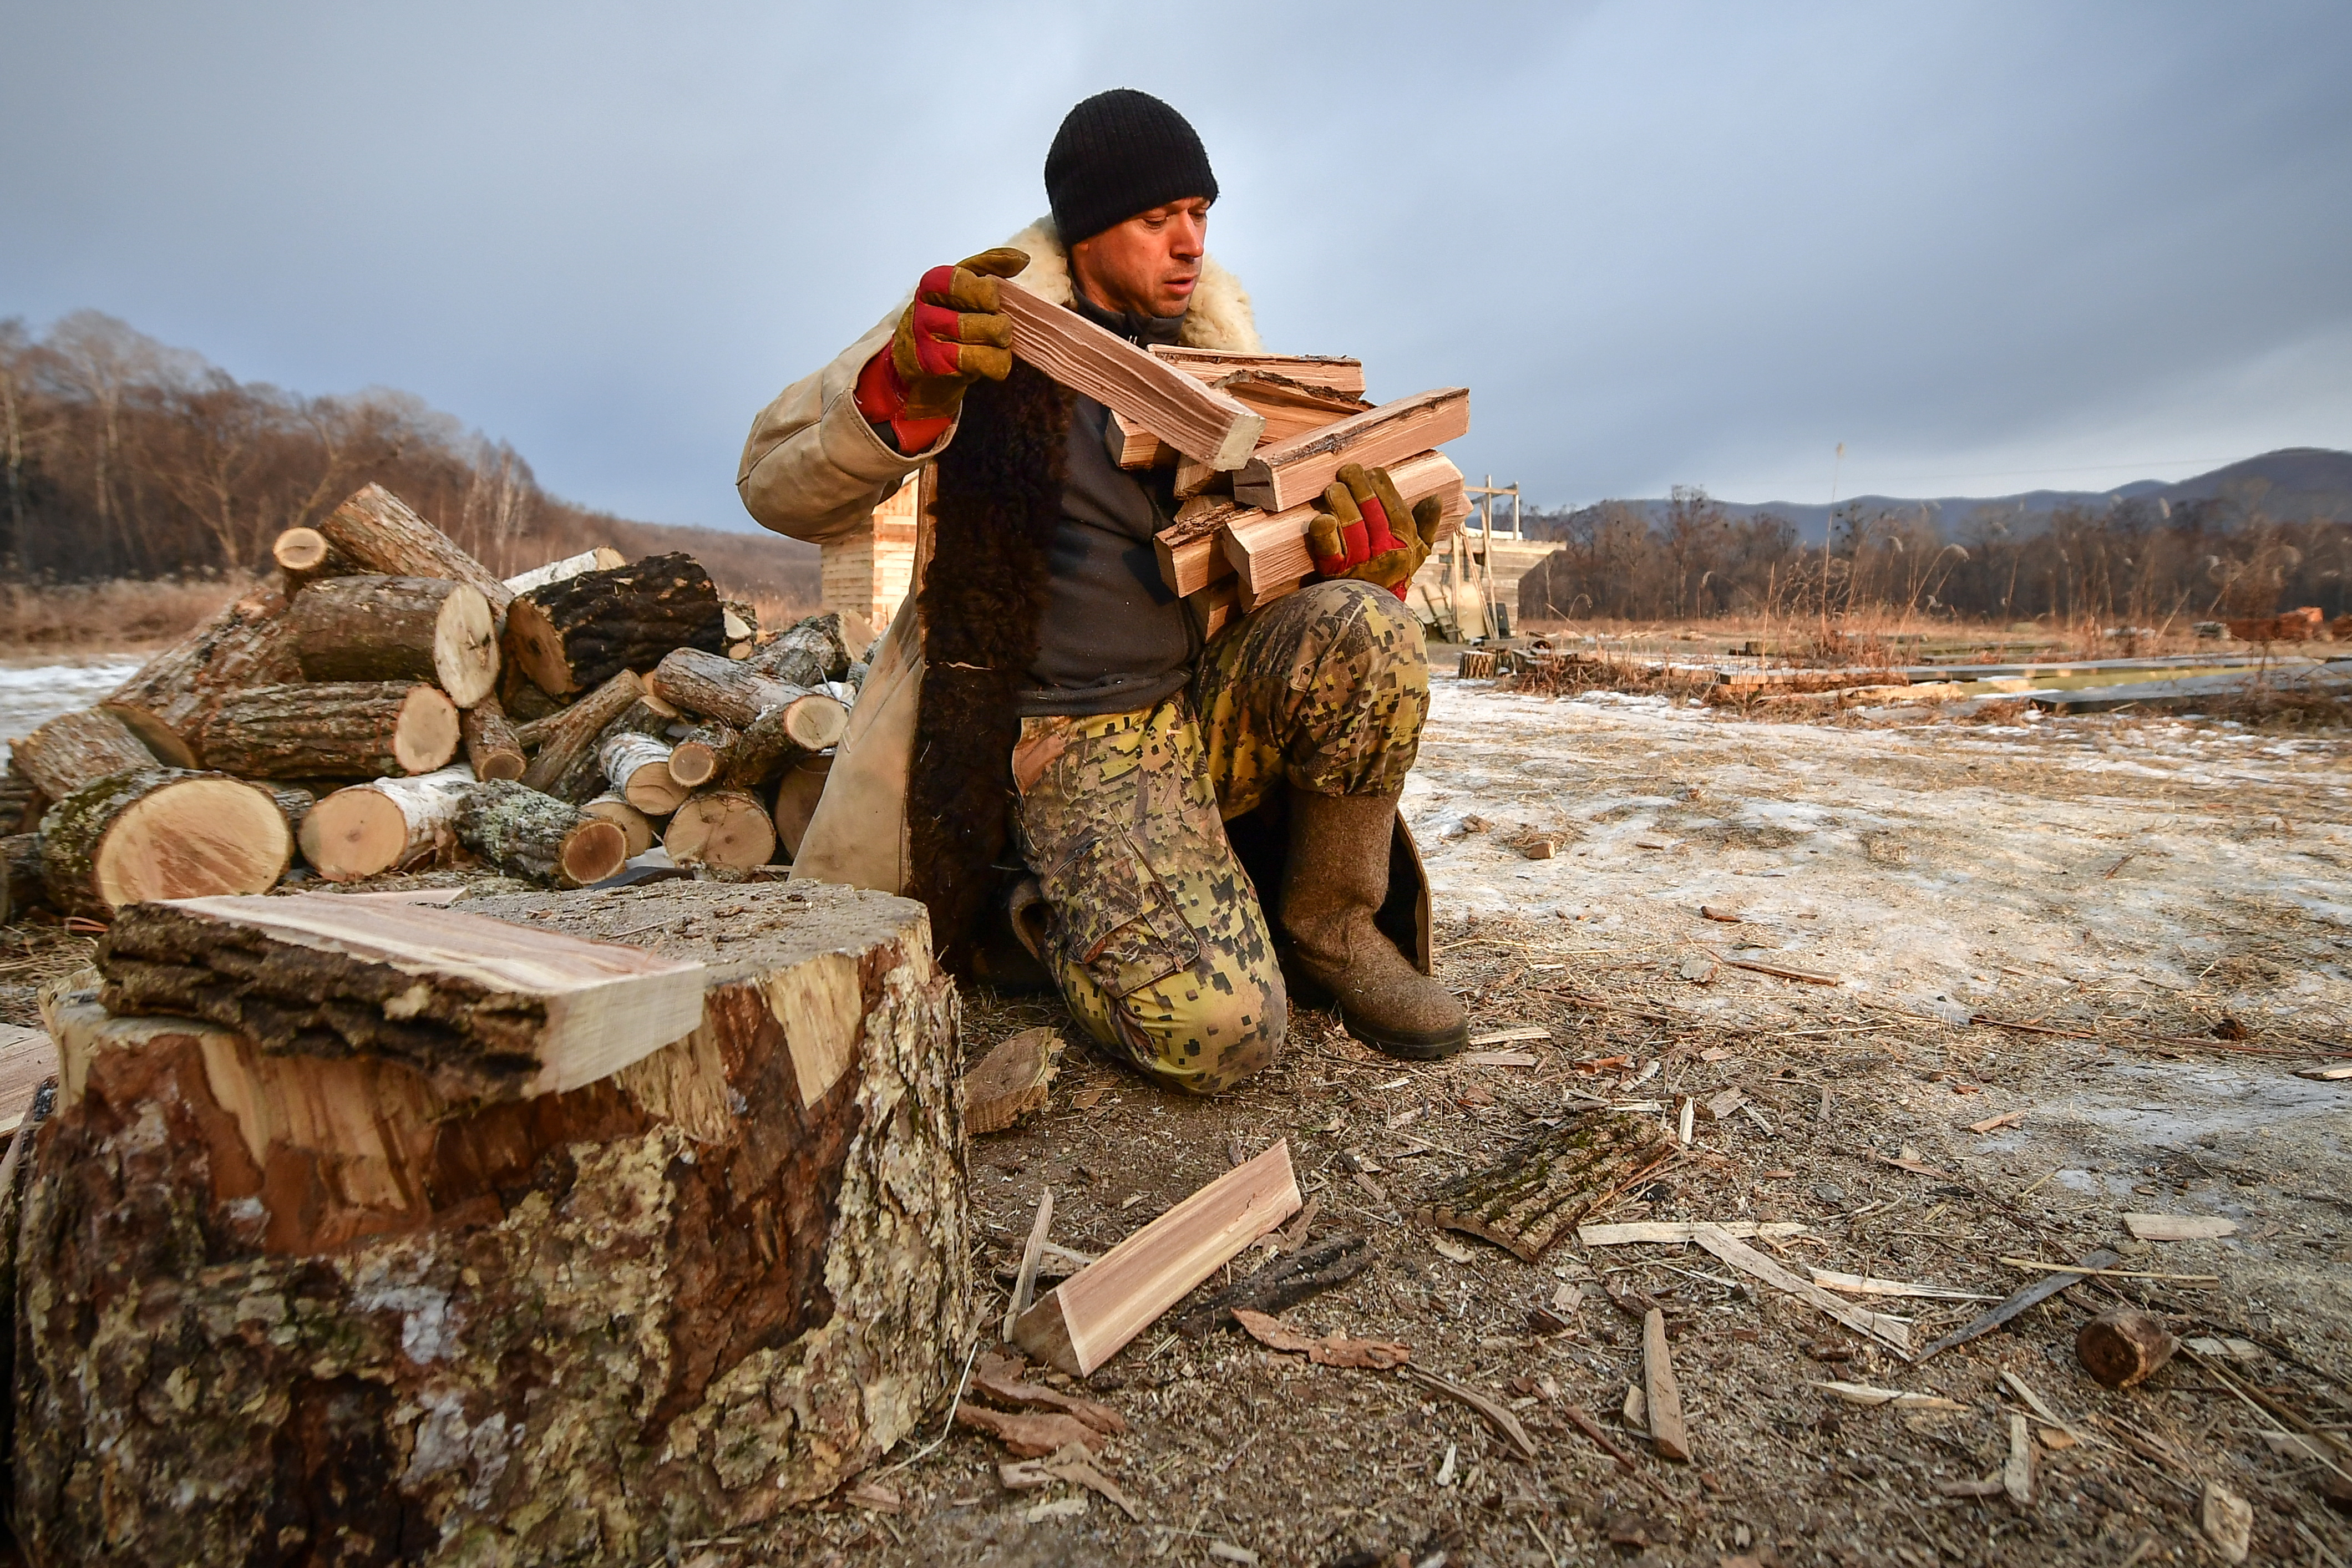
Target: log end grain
724,829
816,721
354,834
466,646
2122,1347
1011,1081
426,736
534,644
299,549
162,833
637,828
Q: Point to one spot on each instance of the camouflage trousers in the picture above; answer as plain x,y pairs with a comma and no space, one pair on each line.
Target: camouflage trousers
1158,939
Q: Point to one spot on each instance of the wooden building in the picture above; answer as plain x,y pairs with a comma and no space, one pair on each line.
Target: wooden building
871,572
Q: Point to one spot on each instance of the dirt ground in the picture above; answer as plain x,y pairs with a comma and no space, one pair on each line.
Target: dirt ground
2159,914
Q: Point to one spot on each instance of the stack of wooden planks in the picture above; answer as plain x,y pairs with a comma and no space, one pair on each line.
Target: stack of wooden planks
387,704
1252,439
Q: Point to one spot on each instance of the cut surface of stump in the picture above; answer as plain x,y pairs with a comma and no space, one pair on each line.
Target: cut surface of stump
328,730
1533,1194
582,630
538,837
725,829
77,748
398,629
379,826
162,833
651,1310
483,1009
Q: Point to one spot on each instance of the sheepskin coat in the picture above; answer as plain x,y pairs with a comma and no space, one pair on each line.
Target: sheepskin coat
941,688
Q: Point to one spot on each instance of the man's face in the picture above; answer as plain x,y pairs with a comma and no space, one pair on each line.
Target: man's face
1149,264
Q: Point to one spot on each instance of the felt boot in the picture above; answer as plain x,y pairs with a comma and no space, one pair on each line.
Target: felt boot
1333,882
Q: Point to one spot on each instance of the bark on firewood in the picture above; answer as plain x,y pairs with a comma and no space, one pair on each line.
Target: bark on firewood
1283,1283
376,532
163,833
398,629
332,729
568,738
385,825
807,652
21,800
797,794
294,804
77,748
573,633
1535,1194
2123,1345
638,767
247,643
716,687
493,747
538,837
521,696
724,829
637,828
764,748
603,557
593,1327
21,888
483,1012
702,753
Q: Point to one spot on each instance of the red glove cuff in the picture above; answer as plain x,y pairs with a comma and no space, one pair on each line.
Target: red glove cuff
881,397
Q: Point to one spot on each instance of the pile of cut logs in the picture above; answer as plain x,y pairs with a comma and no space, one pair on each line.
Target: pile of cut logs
598,704
1253,438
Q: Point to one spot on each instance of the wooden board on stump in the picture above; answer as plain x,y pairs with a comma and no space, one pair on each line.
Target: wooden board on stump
591,1325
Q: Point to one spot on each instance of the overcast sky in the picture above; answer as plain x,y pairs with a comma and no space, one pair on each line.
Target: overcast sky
1989,247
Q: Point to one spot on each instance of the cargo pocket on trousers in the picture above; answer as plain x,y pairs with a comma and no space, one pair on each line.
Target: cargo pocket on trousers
1116,917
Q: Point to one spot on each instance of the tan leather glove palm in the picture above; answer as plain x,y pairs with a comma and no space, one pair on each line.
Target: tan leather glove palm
1364,531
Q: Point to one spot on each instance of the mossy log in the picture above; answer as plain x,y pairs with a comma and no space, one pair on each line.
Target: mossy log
724,829
1535,1194
386,824
573,633
712,686
566,765
377,532
331,729
367,1324
493,749
370,628
76,749
163,833
247,643
538,837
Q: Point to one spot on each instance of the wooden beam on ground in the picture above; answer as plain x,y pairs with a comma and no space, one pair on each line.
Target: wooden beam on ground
1086,1320
486,1010
1267,551
1331,372
1197,420
1295,472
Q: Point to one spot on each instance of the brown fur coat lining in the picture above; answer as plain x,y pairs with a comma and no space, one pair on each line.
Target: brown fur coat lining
999,504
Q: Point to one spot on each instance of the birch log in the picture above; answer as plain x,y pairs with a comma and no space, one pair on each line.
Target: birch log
385,825
365,1323
638,767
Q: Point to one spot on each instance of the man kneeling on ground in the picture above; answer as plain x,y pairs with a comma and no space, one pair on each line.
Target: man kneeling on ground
1047,697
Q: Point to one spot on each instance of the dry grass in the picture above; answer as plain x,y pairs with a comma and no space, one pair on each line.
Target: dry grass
119,615
2297,706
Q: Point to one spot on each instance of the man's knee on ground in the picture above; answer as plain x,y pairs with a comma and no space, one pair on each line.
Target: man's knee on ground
1213,1041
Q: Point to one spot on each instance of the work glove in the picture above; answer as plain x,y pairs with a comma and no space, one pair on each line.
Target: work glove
1363,530
949,336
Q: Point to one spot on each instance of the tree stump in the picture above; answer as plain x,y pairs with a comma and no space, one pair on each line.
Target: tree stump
162,833
538,837
376,532
580,631
492,747
331,729
246,643
77,748
360,1323
398,629
384,824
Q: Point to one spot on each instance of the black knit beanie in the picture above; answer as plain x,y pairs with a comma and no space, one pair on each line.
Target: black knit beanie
1119,154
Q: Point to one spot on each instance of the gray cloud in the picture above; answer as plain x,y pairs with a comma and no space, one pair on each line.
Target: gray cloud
1662,242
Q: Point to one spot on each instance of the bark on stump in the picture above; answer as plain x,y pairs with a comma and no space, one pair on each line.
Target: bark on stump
375,531
364,1325
538,837
580,631
332,729
385,825
162,833
77,748
398,629
247,643
492,747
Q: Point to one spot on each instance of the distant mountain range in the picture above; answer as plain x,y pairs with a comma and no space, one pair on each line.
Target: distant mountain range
2294,484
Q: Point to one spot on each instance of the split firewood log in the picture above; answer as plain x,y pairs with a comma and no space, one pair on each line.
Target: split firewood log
724,829
21,888
566,759
397,629
702,753
538,837
493,749
638,767
386,824
712,686
376,532
331,729
637,828
162,833
573,633
247,643
743,1236
76,749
